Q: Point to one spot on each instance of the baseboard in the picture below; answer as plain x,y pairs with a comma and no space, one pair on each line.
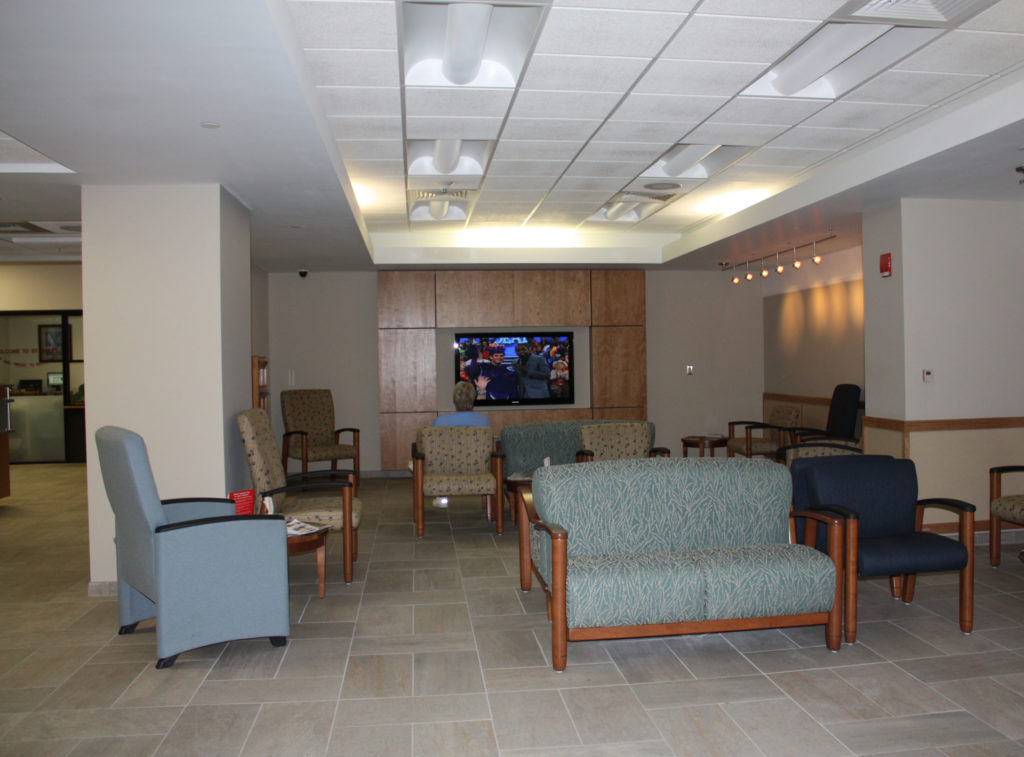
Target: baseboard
102,589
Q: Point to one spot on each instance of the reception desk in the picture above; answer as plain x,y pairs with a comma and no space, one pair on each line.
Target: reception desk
37,428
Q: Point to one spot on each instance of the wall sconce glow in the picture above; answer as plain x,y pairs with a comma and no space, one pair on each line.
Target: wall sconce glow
365,196
732,202
517,236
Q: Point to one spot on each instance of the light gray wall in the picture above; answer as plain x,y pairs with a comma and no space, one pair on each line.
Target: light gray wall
884,385
700,319
323,335
259,293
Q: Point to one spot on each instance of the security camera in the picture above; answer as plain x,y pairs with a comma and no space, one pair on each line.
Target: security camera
303,272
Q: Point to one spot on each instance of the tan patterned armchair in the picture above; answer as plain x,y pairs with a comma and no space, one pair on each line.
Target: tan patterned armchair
771,435
309,417
455,461
617,441
1008,507
793,452
308,497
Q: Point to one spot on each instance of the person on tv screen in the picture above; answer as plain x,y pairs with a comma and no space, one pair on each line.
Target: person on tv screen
496,381
464,395
560,379
531,371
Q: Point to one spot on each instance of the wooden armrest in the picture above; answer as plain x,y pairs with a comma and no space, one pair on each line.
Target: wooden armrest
946,503
1001,469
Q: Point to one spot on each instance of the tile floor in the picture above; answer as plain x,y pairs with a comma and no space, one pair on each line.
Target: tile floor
433,650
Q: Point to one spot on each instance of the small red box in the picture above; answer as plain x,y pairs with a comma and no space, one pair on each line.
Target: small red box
243,501
885,265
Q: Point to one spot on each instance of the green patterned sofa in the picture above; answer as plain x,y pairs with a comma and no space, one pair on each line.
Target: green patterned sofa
527,444
662,546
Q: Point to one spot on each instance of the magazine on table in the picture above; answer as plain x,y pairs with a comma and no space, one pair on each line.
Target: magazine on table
296,527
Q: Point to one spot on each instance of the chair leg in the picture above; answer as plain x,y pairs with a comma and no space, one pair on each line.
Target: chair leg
895,587
124,630
166,662
995,540
278,641
907,595
355,545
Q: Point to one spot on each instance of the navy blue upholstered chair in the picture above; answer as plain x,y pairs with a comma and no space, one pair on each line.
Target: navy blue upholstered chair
206,574
877,495
841,424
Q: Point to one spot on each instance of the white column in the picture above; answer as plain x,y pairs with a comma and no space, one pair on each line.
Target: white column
165,291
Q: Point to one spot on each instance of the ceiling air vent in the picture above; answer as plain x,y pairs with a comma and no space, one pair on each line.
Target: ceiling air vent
915,12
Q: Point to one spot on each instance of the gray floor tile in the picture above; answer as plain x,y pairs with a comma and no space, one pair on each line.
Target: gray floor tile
295,728
531,719
606,714
780,727
703,731
914,732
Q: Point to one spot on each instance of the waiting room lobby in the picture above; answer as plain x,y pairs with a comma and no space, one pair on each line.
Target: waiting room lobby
434,650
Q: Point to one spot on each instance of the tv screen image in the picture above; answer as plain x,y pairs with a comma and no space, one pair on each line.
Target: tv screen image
520,368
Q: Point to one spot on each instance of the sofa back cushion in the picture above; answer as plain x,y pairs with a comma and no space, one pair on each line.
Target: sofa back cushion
527,444
665,504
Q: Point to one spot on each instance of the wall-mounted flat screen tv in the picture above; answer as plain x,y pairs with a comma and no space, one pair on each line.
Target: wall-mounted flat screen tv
517,368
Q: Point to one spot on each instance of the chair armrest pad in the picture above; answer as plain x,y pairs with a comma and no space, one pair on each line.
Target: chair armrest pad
343,430
822,516
1000,469
948,504
840,510
191,508
552,529
416,454
307,485
199,522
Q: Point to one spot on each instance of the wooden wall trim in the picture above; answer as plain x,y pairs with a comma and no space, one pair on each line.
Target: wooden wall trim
945,424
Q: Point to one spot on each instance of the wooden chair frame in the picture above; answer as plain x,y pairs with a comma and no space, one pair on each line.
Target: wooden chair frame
494,504
995,527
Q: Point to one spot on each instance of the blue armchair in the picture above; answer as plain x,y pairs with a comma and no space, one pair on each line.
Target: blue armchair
877,496
205,574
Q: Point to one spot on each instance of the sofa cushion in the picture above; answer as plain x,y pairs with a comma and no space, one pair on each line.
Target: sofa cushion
633,589
766,580
665,504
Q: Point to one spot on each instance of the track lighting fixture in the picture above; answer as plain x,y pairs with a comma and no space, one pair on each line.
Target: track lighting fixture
780,267
796,260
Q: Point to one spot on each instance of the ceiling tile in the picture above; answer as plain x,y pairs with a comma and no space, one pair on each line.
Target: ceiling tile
361,101
751,40
567,72
525,168
605,169
778,156
371,149
816,10
821,138
501,211
345,25
590,183
911,88
645,5
545,104
960,52
638,151
532,196
443,101
1005,16
695,77
713,133
857,115
435,127
550,128
667,132
578,196
354,68
374,168
582,31
667,108
541,183
508,149
768,110
365,127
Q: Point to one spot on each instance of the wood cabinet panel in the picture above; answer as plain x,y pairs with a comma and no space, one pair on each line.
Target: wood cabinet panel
552,298
618,298
407,380
618,366
621,414
475,298
405,299
397,433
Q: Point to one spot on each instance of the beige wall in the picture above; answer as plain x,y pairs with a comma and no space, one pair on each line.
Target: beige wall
700,319
40,286
260,292
323,335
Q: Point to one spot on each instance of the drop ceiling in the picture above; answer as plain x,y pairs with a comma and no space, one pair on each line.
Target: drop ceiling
678,133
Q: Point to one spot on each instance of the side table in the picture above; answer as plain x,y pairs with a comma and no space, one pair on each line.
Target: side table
307,542
701,443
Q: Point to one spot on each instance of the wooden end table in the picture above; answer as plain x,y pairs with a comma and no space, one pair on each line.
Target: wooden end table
703,442
306,543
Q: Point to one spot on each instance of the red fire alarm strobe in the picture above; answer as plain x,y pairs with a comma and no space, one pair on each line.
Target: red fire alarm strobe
885,264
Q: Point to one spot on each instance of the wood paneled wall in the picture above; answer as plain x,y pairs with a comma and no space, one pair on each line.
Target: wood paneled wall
412,304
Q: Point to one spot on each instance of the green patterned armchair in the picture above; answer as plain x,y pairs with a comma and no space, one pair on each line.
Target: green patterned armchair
308,497
308,414
662,546
617,441
456,461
